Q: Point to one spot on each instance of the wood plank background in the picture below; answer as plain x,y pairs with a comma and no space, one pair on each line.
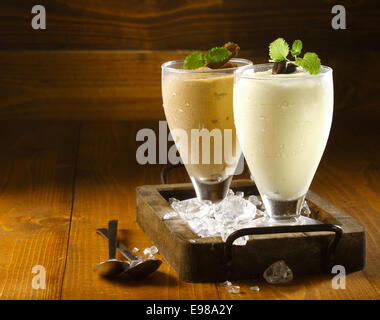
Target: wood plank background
36,192
185,24
101,59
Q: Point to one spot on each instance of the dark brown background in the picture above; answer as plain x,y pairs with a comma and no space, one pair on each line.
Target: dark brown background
101,59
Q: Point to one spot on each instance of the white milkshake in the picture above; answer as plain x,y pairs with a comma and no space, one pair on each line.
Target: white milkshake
283,123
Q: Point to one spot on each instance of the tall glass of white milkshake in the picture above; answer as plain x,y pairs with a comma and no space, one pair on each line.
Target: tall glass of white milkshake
283,122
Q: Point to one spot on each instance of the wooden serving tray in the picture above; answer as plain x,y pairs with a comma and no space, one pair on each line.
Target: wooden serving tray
199,259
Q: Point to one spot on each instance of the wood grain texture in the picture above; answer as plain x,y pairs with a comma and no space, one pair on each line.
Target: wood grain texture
185,24
36,177
82,85
126,85
36,183
105,188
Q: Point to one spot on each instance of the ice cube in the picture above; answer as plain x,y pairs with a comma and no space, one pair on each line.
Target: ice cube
233,289
172,200
207,202
150,251
260,213
242,241
195,225
170,215
255,200
246,217
134,250
239,194
278,273
305,210
153,250
254,288
138,260
227,283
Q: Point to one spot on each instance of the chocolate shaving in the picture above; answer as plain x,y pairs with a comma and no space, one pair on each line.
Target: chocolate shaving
283,67
279,67
290,68
229,65
234,49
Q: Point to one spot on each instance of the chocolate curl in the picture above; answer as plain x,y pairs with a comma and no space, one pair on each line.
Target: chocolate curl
283,67
234,49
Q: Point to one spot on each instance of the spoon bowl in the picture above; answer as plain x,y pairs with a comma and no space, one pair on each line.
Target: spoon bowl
111,268
137,268
143,268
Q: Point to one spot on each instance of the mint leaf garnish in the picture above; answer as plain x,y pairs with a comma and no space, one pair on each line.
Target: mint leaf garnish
296,48
218,54
310,62
194,60
298,62
197,59
278,50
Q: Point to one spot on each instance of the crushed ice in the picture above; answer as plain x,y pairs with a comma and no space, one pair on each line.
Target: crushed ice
170,215
150,252
305,210
233,289
211,220
278,273
226,283
254,288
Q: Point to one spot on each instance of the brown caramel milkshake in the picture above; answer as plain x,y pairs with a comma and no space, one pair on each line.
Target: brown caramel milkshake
198,105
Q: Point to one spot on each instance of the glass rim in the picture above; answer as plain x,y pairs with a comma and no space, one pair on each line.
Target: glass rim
327,70
167,66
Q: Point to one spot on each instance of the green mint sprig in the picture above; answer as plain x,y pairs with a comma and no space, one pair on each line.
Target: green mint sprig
296,48
194,60
197,59
279,50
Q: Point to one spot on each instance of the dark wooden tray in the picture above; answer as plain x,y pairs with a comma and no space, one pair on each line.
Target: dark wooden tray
198,259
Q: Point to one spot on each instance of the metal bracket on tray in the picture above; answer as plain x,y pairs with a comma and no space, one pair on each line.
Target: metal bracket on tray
165,170
327,259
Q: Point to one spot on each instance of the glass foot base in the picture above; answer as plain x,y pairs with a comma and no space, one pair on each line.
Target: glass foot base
269,222
283,211
214,191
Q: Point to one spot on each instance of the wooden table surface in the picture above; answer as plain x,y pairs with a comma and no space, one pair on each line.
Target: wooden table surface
60,181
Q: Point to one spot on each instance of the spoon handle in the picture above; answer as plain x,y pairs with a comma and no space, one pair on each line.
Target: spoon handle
123,249
112,238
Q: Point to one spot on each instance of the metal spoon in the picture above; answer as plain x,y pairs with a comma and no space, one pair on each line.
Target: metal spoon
137,268
111,267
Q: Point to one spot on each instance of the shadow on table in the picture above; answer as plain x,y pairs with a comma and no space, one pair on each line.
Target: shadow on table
158,278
